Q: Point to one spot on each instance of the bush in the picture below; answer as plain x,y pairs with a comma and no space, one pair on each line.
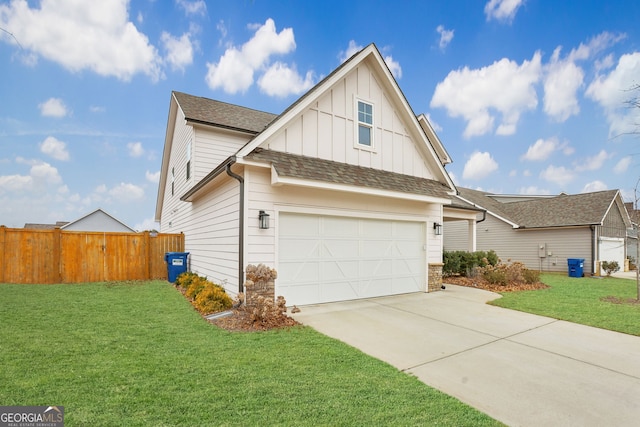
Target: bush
197,284
610,267
184,280
463,263
531,276
211,299
514,272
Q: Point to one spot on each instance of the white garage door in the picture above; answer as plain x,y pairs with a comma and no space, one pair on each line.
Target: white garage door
326,258
612,249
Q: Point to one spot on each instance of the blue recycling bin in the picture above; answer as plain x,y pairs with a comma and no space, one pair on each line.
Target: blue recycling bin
176,264
576,267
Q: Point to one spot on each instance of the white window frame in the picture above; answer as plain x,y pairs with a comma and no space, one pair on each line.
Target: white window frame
359,123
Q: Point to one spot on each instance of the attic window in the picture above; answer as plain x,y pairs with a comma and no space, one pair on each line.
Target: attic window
365,124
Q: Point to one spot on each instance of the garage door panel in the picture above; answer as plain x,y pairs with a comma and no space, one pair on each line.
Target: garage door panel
343,258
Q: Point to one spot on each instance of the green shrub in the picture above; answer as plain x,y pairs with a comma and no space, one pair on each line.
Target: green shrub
610,267
463,263
531,276
211,299
197,284
496,276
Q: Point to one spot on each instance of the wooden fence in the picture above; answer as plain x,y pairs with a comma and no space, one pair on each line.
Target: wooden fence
57,256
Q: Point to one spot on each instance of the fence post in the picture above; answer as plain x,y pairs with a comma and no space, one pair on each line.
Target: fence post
2,244
56,274
147,254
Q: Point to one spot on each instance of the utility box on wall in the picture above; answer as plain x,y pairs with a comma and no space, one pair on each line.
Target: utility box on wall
542,250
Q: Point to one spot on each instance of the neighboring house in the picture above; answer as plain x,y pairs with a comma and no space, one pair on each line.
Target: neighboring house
544,231
341,193
98,220
36,226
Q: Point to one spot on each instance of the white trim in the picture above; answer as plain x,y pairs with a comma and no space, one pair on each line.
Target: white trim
350,213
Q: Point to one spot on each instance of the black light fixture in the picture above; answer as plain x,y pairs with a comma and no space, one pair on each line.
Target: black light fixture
437,228
263,217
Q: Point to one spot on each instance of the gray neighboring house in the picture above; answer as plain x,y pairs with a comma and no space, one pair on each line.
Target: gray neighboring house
543,232
98,220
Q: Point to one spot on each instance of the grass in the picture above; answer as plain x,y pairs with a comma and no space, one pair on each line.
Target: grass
137,354
578,300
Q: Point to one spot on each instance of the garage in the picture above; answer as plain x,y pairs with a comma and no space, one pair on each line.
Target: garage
335,258
612,249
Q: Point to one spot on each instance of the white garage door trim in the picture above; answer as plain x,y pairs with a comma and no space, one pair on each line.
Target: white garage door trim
324,258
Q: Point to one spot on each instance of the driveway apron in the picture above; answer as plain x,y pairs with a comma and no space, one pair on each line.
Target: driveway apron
519,368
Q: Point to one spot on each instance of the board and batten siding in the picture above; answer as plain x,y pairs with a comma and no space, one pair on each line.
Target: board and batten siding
523,245
261,195
327,130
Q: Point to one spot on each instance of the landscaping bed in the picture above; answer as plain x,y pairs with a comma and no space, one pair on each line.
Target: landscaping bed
481,283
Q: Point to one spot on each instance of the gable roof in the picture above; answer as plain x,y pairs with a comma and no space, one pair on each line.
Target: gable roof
559,211
221,114
97,211
315,169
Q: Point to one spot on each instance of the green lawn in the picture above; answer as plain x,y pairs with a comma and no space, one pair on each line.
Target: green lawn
138,354
579,300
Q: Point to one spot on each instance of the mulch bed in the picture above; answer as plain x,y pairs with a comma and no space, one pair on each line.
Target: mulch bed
240,321
480,283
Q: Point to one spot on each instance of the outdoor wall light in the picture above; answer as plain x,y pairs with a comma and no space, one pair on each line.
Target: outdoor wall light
437,228
263,217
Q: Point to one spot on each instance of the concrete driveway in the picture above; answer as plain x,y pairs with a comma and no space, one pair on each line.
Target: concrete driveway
521,369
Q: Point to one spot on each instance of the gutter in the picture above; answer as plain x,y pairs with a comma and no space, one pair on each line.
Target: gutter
241,226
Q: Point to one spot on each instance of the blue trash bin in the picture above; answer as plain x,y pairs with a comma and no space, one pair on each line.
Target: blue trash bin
576,267
176,264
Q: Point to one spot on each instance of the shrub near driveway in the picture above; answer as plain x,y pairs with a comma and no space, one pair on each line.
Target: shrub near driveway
581,300
139,354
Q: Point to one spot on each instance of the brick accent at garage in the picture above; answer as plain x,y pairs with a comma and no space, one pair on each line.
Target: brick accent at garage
434,282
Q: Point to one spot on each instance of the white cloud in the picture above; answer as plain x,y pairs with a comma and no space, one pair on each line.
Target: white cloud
594,186
394,66
78,35
593,163
54,148
445,36
622,166
147,224
558,175
533,190
126,192
42,176
479,165
541,149
152,176
611,91
502,10
352,49
281,80
504,86
235,69
135,149
179,50
198,7
53,107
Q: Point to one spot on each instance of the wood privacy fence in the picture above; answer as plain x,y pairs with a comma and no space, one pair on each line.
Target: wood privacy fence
57,256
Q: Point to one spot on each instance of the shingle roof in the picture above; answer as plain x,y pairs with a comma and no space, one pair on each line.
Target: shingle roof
37,226
563,210
311,168
222,114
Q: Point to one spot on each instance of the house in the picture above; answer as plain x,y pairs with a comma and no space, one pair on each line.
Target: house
37,226
543,231
342,193
98,220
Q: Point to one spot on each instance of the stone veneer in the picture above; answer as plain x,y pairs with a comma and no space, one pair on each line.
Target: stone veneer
434,282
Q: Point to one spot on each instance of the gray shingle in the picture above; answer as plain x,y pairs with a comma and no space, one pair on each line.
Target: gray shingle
221,114
295,166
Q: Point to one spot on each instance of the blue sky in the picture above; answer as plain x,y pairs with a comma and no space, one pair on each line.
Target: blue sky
528,96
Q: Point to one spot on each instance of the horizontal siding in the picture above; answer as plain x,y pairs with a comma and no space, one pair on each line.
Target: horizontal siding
455,235
523,245
327,129
213,147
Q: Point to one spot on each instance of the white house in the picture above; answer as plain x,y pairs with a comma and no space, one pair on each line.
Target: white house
98,220
349,183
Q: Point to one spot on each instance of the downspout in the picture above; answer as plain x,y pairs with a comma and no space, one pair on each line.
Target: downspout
594,242
484,216
241,221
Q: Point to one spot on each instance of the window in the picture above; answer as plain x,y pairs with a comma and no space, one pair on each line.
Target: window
188,160
365,124
173,177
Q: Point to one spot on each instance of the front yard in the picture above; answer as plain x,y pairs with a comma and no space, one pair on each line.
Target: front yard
600,302
138,354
